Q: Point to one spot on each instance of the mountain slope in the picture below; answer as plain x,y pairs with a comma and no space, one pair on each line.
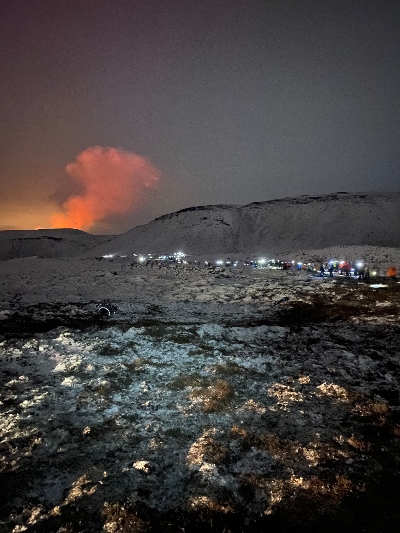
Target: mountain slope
47,243
288,224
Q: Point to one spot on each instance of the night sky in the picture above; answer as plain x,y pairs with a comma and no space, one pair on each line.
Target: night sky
116,112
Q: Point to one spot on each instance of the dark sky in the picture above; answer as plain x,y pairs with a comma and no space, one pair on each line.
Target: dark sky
232,101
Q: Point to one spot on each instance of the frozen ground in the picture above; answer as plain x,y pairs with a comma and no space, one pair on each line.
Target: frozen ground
238,400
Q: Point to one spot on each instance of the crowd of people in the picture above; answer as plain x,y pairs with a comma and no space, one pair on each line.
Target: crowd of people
362,271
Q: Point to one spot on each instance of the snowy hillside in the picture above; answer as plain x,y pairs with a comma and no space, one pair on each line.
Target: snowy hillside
310,222
278,226
46,243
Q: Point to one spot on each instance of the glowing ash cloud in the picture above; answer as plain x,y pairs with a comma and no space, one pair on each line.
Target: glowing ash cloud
113,182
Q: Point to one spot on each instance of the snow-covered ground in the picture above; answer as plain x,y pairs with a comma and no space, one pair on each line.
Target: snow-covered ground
228,400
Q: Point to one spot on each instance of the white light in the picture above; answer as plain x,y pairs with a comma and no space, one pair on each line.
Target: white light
359,264
219,262
262,261
141,259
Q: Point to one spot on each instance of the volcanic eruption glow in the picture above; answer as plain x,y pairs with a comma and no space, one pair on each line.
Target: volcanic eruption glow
113,182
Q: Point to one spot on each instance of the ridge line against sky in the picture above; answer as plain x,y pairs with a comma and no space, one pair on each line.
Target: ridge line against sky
217,102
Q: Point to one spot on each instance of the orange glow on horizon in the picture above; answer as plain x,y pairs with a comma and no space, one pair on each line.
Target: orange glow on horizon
78,216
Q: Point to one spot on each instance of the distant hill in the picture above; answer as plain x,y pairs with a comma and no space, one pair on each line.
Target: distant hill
310,222
305,222
47,243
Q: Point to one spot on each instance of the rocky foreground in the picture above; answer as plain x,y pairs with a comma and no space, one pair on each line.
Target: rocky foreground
212,400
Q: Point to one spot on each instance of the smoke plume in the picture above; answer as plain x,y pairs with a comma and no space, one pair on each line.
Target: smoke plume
113,182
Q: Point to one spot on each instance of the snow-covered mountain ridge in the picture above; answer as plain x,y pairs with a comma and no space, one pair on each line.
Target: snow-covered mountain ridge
305,222
310,222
